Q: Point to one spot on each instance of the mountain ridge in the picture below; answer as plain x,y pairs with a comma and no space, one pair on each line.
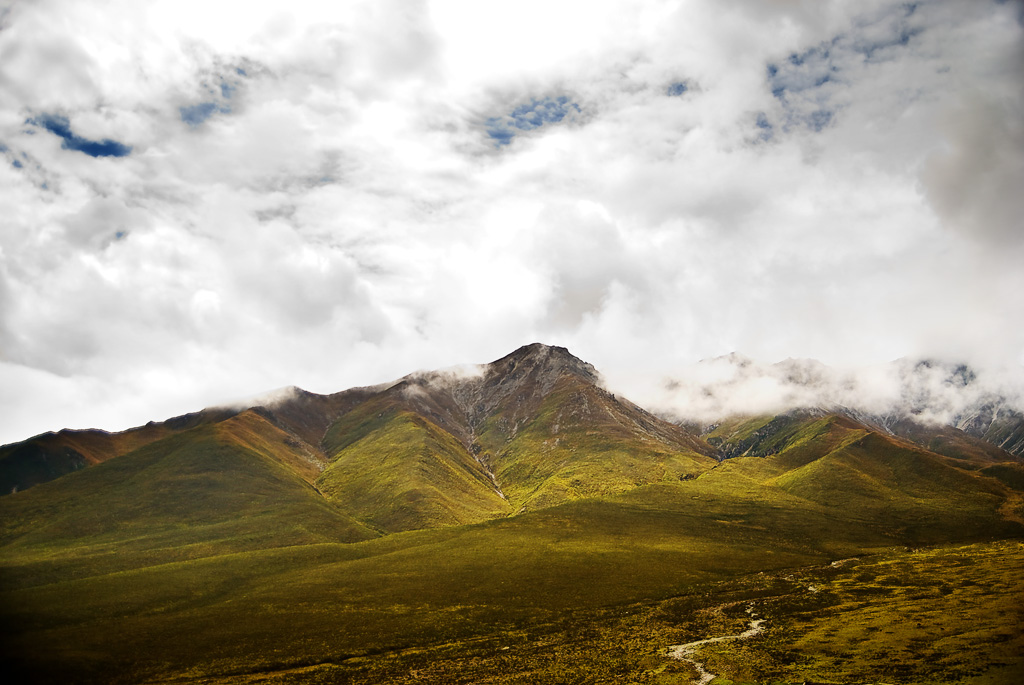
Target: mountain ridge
484,407
433,448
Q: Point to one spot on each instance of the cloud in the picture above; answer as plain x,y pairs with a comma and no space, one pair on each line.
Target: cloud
926,390
974,180
332,196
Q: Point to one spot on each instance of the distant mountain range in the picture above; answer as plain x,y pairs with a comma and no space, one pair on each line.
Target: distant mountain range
906,398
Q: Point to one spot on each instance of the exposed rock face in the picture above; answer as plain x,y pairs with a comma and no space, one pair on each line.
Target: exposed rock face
995,423
462,399
533,429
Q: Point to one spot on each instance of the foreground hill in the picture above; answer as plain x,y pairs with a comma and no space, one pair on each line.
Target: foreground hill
513,522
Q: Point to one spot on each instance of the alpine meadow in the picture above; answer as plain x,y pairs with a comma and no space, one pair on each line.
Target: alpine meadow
511,522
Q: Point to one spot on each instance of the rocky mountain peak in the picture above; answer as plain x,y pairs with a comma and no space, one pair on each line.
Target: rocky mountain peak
543,361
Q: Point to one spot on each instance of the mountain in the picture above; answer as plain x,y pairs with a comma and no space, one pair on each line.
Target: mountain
996,422
51,455
915,399
530,430
507,522
835,460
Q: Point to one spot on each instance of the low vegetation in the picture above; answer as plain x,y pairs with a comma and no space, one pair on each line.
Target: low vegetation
560,537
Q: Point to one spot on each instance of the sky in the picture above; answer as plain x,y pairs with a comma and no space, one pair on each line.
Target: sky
203,201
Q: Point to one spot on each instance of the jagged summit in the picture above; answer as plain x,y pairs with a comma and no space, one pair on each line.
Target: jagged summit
544,359
515,384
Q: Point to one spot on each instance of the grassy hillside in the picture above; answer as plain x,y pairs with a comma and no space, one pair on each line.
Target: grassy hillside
581,442
303,605
943,615
397,471
838,463
210,490
531,431
51,455
368,611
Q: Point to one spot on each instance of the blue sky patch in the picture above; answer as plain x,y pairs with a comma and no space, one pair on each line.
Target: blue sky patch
218,91
676,89
801,83
805,82
527,117
193,115
889,32
819,119
802,71
871,49
61,127
499,131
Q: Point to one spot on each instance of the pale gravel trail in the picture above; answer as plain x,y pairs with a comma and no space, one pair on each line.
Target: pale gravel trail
685,652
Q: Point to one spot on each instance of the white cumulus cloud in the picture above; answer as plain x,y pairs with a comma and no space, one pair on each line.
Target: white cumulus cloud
203,200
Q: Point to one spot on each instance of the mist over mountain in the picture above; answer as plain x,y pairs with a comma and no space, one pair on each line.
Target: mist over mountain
983,403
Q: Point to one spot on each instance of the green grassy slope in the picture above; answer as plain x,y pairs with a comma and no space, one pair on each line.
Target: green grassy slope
48,456
303,605
51,455
532,431
840,464
581,442
762,436
398,471
925,617
198,493
323,605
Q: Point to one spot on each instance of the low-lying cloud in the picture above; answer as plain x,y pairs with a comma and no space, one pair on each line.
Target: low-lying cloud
928,391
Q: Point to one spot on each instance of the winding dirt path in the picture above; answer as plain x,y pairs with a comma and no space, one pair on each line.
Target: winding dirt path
686,652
